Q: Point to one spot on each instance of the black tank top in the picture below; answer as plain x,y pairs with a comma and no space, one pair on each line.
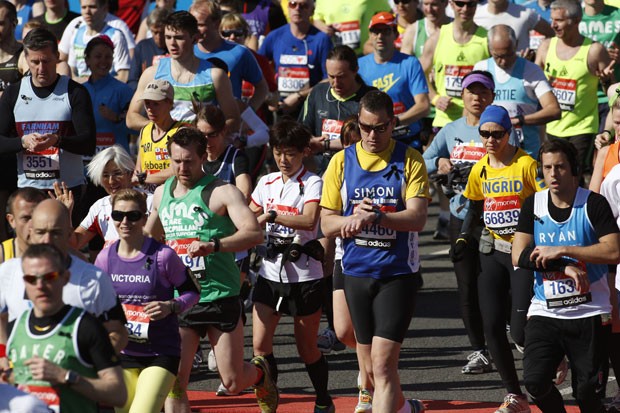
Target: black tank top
9,72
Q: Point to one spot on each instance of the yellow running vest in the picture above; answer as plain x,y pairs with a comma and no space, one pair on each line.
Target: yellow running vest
154,156
575,88
8,249
451,62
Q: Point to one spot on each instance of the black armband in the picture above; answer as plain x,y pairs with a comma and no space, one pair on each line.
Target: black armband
557,265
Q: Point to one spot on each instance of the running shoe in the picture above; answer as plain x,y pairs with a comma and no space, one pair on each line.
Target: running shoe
614,405
327,342
325,409
520,349
416,406
267,394
561,372
479,362
364,402
197,360
211,361
223,391
514,403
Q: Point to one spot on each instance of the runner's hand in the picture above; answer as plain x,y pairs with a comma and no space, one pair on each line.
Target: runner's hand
443,103
199,249
62,194
45,370
579,276
157,310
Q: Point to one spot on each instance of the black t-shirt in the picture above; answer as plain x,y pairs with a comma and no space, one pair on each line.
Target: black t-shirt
92,338
597,208
82,143
57,28
321,104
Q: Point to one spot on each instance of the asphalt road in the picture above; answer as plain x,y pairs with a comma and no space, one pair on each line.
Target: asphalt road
432,356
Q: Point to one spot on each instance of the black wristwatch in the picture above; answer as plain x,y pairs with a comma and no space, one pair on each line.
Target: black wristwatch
71,378
520,119
272,216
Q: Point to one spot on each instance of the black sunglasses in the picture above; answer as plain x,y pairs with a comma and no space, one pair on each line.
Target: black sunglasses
236,32
496,134
132,216
48,277
458,3
380,128
402,1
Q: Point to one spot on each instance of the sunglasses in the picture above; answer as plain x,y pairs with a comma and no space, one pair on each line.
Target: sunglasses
496,134
461,4
402,1
294,4
236,32
380,128
48,277
132,216
213,134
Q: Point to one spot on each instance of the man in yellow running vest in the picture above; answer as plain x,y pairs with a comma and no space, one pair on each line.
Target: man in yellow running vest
449,55
573,64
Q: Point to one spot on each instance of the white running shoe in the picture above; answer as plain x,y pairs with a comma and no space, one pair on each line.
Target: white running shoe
514,403
479,362
211,361
364,402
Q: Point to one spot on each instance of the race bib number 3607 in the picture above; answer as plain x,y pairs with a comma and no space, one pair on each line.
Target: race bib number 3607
565,90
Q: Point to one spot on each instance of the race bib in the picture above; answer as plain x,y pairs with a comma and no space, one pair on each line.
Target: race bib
277,229
471,153
195,264
293,79
348,34
294,59
399,108
501,214
536,39
561,292
42,165
137,322
565,90
376,236
330,129
46,394
454,78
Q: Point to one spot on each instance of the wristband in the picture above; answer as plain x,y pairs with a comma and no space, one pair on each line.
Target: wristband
326,144
434,100
2,350
174,306
272,216
521,120
216,244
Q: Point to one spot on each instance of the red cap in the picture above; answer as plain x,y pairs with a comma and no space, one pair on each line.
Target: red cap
383,17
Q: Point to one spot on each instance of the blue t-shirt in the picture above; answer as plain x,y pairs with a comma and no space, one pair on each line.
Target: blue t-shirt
116,95
297,61
241,64
401,78
23,16
543,13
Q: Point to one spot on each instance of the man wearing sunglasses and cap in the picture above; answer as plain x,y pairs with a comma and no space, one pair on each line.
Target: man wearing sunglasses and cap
497,186
397,74
448,56
61,353
378,213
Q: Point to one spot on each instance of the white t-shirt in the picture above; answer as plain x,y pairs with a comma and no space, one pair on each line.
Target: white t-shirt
534,80
13,400
521,19
89,288
65,43
289,198
99,219
610,189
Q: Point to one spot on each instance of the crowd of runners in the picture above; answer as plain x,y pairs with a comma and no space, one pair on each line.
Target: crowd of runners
174,170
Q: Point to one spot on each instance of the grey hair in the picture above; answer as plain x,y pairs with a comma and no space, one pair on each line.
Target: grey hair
572,7
114,153
158,17
500,29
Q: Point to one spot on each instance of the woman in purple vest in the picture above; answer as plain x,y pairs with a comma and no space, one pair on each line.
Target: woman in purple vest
145,274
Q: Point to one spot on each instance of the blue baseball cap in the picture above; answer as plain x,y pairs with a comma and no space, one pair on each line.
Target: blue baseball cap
496,114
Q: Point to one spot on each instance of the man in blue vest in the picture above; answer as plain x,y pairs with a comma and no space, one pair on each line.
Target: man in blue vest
567,235
520,87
